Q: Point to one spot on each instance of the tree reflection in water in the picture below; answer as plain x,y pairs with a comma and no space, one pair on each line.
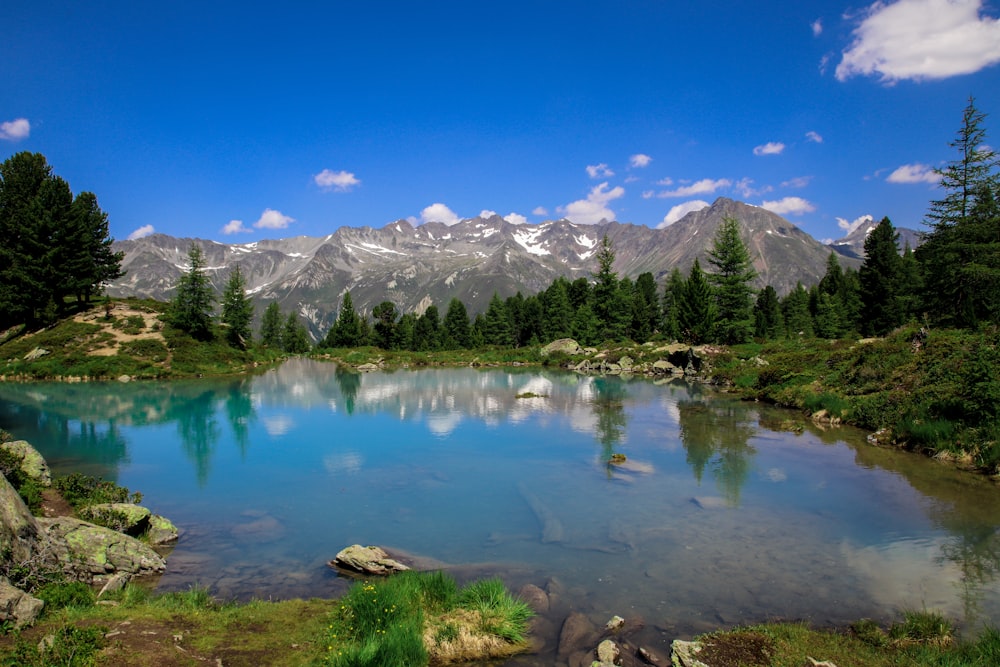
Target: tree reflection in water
240,412
199,431
716,436
609,408
350,382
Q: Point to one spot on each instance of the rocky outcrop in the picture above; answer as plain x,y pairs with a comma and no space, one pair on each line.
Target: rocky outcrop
161,531
32,464
18,607
19,530
123,517
87,552
562,346
367,560
685,654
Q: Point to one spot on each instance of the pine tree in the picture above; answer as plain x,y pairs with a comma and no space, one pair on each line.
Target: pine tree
795,312
767,314
557,313
270,326
294,337
347,331
191,308
237,311
496,324
881,310
456,325
733,278
611,304
645,308
696,309
427,331
673,293
960,257
384,318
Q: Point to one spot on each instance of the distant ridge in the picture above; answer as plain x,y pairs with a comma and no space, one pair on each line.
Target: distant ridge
415,267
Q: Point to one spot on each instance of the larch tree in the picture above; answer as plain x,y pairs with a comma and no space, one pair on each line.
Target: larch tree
960,256
237,310
270,326
733,281
191,308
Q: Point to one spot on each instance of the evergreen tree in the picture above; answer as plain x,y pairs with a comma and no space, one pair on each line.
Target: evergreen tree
191,308
52,245
767,314
456,325
645,308
347,331
579,293
960,257
237,311
294,337
673,294
404,331
270,326
496,324
427,331
732,279
880,281
477,334
696,308
384,318
795,313
584,327
557,313
911,283
531,322
611,304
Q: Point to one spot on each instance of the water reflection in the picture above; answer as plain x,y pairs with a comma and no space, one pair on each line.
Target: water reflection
479,466
716,435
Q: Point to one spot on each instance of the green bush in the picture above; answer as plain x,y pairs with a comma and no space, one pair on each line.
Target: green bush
58,595
81,490
70,645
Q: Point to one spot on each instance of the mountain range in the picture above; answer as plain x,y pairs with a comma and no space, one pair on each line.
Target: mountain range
416,266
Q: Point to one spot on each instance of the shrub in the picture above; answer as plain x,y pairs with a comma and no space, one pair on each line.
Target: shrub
81,490
69,645
58,595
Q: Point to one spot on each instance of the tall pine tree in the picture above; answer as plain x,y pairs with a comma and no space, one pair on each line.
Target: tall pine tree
881,310
237,311
733,281
191,308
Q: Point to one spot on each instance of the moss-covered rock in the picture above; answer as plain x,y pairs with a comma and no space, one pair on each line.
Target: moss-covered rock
125,518
87,551
19,530
161,530
32,464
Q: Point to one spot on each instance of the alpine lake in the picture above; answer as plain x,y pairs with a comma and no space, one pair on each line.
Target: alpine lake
722,513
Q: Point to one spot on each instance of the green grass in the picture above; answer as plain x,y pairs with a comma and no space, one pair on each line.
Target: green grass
382,623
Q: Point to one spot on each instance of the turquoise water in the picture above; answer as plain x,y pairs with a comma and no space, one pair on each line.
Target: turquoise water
722,512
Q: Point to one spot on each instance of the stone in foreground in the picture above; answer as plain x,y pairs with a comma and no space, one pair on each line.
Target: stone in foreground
367,560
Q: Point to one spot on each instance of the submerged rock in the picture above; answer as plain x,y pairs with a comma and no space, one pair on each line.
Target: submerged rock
161,530
367,560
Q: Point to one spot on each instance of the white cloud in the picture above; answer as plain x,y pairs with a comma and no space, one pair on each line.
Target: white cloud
599,171
797,182
914,173
486,213
744,187
817,27
515,218
793,205
13,130
705,186
594,208
438,212
770,148
679,211
640,160
339,181
235,227
540,210
921,39
271,219
648,194
814,137
665,181
850,226
143,231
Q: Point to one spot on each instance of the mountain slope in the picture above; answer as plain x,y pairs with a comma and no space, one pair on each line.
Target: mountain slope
416,266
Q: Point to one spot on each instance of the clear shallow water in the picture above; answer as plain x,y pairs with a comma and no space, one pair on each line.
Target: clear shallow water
720,515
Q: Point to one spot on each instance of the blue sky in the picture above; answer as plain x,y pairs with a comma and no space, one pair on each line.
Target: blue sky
242,121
